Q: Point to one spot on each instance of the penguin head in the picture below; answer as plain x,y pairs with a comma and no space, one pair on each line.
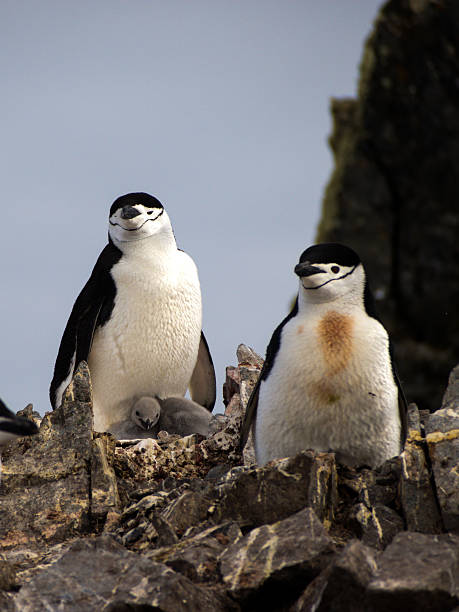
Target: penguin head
329,271
136,216
146,412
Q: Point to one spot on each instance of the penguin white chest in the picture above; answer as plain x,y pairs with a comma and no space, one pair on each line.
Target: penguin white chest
149,345
331,387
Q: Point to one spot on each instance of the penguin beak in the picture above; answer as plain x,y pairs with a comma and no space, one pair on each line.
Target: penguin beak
303,269
147,423
129,212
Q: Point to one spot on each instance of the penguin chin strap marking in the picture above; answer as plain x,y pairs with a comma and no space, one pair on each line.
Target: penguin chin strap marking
329,281
134,229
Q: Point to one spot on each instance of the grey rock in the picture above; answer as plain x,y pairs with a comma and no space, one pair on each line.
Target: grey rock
451,396
187,510
369,499
99,574
376,525
197,557
442,435
231,384
271,564
342,585
8,575
237,389
416,572
247,356
417,495
61,479
255,496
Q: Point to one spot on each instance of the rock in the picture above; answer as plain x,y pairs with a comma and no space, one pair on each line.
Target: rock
237,390
187,510
248,357
197,557
369,503
451,396
442,435
269,566
8,575
100,574
417,494
29,413
392,195
376,525
231,384
416,572
60,483
342,585
255,496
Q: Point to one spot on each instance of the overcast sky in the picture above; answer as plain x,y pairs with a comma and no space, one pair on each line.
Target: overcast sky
218,108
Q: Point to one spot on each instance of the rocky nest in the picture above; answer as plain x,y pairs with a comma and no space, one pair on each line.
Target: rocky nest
172,524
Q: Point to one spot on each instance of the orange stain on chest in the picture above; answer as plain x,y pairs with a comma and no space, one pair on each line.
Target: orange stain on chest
335,340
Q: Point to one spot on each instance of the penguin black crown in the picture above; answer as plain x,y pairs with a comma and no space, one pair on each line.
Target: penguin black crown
329,382
137,321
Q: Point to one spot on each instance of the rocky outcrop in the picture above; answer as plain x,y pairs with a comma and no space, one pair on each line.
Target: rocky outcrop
393,192
188,523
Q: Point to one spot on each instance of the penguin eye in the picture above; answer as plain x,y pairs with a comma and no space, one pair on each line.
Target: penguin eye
149,212
335,269
137,413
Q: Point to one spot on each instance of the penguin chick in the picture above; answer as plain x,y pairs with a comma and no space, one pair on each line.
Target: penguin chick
329,382
142,422
183,417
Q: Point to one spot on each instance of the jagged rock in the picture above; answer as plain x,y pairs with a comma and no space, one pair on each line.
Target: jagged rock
376,525
416,572
393,193
96,574
342,585
237,389
8,575
247,356
269,566
58,484
231,384
158,518
417,495
368,503
187,510
29,413
451,396
197,557
442,434
378,486
255,496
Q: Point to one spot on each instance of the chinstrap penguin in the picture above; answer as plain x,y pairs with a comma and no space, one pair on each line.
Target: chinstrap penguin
329,382
13,426
137,321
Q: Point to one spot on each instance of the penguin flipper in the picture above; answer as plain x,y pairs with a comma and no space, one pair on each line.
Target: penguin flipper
402,403
92,308
402,409
6,412
203,389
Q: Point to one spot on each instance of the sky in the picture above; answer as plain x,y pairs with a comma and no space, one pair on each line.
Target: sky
218,108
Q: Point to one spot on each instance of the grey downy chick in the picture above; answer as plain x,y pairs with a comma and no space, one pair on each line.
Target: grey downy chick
142,421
